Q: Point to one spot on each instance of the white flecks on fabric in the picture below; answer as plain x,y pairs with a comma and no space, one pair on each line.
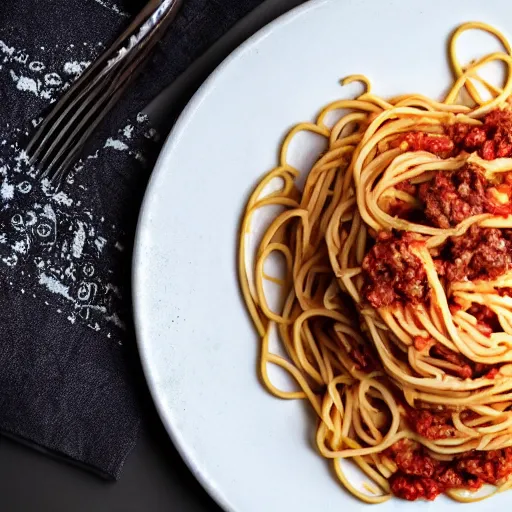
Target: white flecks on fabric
28,72
46,186
9,50
116,321
75,68
22,156
7,190
58,236
112,6
141,117
53,79
128,131
100,243
54,285
116,144
46,95
24,83
20,247
10,261
62,198
27,84
79,241
36,66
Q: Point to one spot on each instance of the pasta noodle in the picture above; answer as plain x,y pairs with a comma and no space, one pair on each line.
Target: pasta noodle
396,318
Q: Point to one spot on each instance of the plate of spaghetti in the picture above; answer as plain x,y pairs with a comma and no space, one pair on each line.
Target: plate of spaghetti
333,327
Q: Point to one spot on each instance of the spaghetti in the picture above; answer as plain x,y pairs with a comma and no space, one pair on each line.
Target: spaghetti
396,319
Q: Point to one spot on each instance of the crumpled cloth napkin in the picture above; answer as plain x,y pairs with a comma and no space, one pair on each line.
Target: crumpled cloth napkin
67,378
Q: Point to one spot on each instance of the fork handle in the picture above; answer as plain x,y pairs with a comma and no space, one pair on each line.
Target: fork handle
155,13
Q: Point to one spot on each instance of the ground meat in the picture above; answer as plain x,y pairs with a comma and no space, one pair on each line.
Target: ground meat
448,478
420,476
493,139
364,358
481,253
431,425
407,186
438,144
400,209
465,368
505,292
412,488
487,318
451,197
490,467
415,463
393,273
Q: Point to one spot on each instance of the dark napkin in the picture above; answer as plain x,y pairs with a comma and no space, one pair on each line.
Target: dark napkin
68,381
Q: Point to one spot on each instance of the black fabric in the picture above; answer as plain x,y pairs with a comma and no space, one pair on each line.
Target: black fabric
66,383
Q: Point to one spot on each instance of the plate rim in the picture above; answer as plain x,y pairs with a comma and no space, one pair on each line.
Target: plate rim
142,221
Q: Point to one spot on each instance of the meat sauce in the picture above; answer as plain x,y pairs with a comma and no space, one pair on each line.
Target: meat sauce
490,140
441,145
419,475
464,367
393,273
481,253
429,425
451,197
364,358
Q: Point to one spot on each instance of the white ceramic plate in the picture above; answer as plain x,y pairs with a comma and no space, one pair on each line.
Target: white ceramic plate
252,452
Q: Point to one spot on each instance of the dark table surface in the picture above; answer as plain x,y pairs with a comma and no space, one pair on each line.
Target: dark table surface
154,478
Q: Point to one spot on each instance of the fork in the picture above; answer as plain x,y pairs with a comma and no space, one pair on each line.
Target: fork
59,139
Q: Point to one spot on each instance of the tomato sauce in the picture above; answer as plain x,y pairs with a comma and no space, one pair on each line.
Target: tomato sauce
419,475
364,358
491,140
440,145
430,425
